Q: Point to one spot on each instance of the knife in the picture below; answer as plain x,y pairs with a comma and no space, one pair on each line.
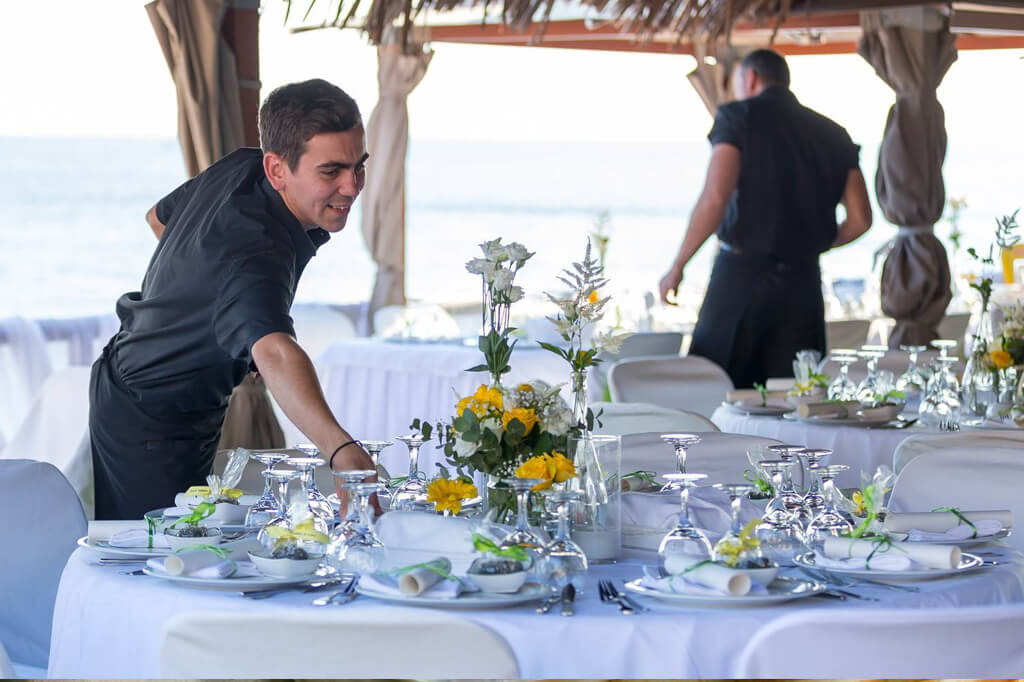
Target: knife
546,606
568,595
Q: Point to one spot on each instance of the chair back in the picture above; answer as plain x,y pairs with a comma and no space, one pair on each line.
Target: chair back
689,383
846,333
620,419
319,643
928,443
42,521
961,642
722,456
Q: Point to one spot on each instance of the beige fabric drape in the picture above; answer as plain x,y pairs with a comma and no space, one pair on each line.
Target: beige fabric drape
203,68
713,81
911,50
383,199
250,421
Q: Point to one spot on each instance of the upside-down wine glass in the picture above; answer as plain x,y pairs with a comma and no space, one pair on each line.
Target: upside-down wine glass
562,560
522,534
843,387
318,503
813,501
361,551
280,478
780,531
412,491
680,442
265,508
867,388
350,515
685,539
736,492
787,494
830,521
373,449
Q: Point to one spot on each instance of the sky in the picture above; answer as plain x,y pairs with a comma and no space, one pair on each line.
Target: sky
95,69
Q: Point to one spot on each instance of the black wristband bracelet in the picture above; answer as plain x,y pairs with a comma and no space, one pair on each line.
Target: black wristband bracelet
330,461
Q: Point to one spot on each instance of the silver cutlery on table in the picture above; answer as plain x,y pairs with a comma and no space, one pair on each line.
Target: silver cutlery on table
607,598
568,595
622,598
304,587
342,596
853,582
136,572
547,604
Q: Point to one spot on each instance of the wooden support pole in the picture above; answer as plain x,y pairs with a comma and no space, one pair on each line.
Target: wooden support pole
241,30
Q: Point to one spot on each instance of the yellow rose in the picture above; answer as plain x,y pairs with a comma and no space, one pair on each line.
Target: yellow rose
1000,359
526,416
489,396
594,297
448,494
564,468
537,467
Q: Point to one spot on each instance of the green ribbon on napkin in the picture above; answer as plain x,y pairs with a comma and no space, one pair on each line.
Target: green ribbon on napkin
880,541
647,477
961,519
430,566
697,565
487,546
202,510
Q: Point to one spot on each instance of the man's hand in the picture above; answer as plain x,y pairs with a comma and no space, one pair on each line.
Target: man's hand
670,285
351,458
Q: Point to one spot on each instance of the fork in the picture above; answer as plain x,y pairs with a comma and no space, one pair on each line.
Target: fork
342,596
624,598
604,591
851,582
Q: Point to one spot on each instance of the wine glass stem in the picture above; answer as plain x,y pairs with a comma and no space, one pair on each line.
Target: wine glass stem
267,490
684,505
282,491
563,521
681,459
414,455
522,497
734,500
364,510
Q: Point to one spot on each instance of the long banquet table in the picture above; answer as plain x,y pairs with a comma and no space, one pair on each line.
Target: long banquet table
108,625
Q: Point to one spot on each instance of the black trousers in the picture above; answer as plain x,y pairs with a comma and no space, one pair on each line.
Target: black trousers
143,454
757,313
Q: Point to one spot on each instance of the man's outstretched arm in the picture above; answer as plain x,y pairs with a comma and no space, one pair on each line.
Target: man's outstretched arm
723,175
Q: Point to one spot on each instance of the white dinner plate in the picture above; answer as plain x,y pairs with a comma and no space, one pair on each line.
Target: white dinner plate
968,562
470,600
778,591
966,542
248,578
770,410
845,421
103,548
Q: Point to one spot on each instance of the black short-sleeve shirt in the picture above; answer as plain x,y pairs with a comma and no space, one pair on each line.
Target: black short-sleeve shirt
794,167
223,276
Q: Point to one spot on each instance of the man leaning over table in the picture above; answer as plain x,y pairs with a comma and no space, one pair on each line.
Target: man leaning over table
214,304
778,171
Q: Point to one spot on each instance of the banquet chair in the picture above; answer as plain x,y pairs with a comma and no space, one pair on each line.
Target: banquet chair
318,643
961,642
639,345
846,333
623,418
722,456
42,521
928,443
6,669
966,477
690,383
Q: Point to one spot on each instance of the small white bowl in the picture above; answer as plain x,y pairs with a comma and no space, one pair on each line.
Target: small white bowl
503,583
176,542
285,568
882,411
761,576
229,514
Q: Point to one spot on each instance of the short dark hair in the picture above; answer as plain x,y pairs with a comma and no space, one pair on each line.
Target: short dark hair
292,114
769,65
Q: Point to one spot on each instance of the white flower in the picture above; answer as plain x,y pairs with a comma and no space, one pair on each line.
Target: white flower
517,253
464,448
561,324
556,420
491,424
493,250
502,279
515,294
610,342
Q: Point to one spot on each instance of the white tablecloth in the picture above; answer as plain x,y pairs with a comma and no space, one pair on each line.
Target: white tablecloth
375,387
861,448
107,625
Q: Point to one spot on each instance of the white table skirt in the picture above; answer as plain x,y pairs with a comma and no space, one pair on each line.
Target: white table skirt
107,625
861,448
376,388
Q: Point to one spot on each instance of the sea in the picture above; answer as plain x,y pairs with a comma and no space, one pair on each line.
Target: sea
73,235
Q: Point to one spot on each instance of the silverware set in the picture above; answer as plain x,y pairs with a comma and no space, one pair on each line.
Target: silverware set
843,582
342,596
949,425
314,586
610,595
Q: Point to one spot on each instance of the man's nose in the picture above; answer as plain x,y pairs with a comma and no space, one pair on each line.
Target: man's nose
348,183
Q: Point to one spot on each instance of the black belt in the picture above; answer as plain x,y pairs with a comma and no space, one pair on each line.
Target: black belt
767,261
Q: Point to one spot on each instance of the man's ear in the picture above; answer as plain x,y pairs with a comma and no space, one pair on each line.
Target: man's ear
275,167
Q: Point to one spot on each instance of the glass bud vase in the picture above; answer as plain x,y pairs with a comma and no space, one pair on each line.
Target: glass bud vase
597,517
980,383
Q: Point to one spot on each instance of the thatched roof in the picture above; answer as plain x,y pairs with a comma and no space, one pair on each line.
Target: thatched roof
694,21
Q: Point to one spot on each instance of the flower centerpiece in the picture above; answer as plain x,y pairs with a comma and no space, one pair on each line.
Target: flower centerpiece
1005,360
809,383
448,494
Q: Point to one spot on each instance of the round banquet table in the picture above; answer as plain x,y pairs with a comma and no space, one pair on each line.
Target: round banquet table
863,449
108,625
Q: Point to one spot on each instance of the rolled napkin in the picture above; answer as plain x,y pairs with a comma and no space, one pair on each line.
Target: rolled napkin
842,409
930,556
420,579
751,397
941,521
417,582
981,529
197,563
702,572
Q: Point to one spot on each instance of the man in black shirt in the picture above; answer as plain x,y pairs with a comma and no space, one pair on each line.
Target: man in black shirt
778,170
215,300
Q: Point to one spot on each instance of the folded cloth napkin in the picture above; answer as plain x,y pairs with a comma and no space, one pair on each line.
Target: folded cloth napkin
880,562
197,563
841,409
137,538
102,531
715,576
981,529
425,583
688,584
939,521
929,556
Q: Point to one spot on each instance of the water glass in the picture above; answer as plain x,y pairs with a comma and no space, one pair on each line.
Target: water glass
563,561
685,539
359,550
412,492
265,508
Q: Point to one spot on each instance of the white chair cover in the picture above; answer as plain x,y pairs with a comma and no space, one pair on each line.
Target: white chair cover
927,443
319,643
722,456
56,430
690,383
42,520
621,419
961,642
642,344
968,478
24,366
